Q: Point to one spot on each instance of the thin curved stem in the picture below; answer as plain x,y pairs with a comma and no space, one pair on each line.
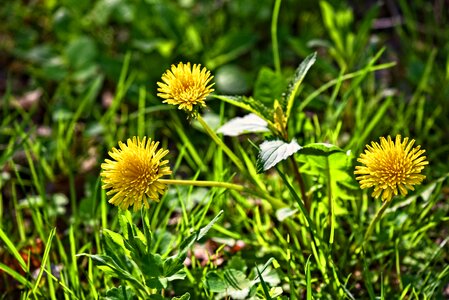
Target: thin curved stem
302,185
374,221
222,145
232,186
226,185
257,191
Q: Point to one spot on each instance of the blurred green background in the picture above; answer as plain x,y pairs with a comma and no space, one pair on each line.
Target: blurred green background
60,47
76,76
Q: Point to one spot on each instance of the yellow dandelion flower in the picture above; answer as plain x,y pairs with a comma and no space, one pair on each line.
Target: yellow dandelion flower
391,166
185,86
133,174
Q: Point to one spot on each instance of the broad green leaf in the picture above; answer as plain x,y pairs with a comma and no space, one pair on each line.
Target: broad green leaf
249,104
158,283
230,282
237,284
300,73
320,149
148,234
152,265
186,296
330,163
332,166
269,86
112,238
53,70
236,101
124,218
268,275
102,260
272,152
173,265
246,124
114,246
136,245
118,271
120,293
238,263
215,283
321,158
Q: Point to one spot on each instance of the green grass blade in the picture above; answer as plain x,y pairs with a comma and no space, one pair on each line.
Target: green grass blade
141,112
333,82
88,99
74,267
309,223
308,280
366,129
44,260
12,249
66,289
16,275
264,285
367,277
187,142
51,286
274,38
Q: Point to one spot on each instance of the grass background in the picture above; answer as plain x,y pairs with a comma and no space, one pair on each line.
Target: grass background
78,76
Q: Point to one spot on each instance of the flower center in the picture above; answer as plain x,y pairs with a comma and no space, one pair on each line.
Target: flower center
138,171
393,169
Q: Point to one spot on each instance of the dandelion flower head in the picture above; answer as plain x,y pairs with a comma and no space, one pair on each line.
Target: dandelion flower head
390,167
185,86
133,174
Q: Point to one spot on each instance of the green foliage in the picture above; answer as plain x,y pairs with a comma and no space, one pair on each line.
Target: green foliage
297,103
248,103
330,164
130,257
269,86
295,83
232,281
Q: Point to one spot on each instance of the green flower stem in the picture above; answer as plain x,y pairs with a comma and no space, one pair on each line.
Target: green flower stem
257,192
377,217
302,185
225,185
232,186
274,38
220,143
